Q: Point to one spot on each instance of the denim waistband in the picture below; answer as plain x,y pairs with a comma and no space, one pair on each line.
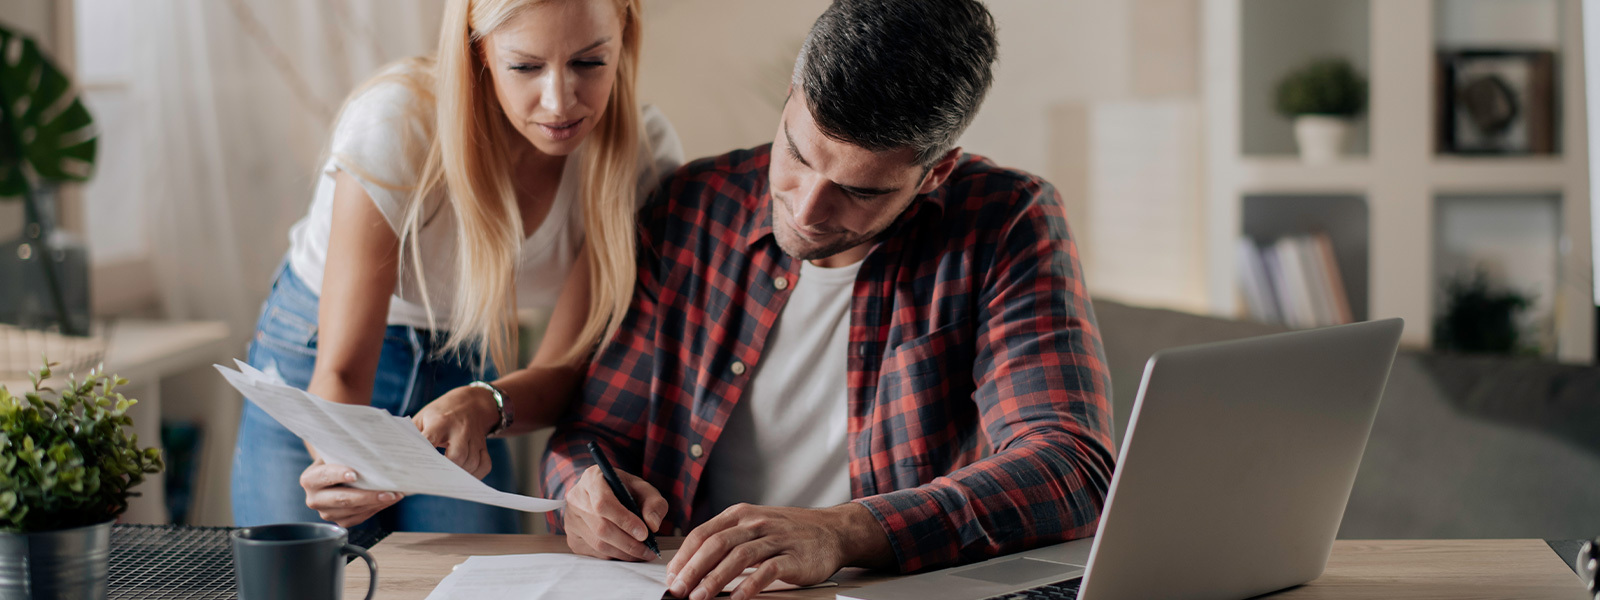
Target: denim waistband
291,294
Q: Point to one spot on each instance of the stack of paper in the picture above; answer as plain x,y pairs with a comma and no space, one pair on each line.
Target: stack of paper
386,451
552,576
562,576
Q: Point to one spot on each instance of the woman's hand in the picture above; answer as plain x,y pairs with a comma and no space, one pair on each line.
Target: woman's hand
459,422
328,493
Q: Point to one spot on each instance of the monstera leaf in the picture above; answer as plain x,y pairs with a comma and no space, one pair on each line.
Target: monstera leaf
45,128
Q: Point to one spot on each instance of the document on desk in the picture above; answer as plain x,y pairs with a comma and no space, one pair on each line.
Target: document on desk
561,576
385,450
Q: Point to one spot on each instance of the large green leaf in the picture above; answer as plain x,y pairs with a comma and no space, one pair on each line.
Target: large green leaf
50,131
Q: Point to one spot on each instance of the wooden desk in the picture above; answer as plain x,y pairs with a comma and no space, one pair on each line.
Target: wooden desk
411,564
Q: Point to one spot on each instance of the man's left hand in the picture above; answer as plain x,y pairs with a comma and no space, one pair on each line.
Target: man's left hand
802,546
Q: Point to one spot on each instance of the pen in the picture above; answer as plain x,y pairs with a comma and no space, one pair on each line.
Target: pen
622,494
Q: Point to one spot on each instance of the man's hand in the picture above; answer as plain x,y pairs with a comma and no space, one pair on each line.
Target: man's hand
336,502
802,546
597,524
459,422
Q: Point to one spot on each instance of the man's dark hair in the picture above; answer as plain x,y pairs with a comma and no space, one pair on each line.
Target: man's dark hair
888,74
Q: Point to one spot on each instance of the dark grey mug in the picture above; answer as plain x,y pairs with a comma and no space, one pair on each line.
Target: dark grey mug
295,561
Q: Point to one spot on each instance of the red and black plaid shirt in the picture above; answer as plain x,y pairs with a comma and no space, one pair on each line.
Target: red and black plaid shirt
970,311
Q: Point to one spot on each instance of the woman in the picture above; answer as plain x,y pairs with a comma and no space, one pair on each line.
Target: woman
502,173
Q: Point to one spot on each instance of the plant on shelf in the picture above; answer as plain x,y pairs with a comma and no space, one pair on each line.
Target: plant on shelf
46,137
1322,98
68,465
1481,318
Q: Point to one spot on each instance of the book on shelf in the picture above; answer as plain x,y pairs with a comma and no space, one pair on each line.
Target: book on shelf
1256,283
1294,280
1342,313
1294,285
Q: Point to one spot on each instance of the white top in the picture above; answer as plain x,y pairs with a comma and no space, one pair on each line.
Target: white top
784,444
367,143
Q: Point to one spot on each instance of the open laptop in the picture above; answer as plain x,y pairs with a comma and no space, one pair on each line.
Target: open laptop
1231,481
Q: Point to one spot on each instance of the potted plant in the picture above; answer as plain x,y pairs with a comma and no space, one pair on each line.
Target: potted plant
1322,98
46,137
1481,318
67,468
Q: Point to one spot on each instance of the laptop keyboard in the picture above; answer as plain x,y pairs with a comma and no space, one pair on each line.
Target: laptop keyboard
1065,590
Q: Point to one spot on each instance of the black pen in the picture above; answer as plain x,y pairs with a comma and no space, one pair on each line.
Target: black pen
622,494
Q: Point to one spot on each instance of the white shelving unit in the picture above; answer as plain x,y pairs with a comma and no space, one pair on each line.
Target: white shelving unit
1399,175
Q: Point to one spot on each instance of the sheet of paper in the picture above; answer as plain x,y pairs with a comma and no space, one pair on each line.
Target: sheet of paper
776,586
387,451
562,576
551,577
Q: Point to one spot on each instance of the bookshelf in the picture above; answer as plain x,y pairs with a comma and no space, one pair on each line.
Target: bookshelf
1393,169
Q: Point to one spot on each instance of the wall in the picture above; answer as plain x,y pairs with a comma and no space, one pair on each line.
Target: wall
1499,23
35,18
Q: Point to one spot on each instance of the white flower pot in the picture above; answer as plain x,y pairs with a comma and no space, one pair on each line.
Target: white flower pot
1320,137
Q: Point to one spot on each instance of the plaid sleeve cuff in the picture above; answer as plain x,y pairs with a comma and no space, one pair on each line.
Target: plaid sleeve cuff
1029,496
921,524
565,459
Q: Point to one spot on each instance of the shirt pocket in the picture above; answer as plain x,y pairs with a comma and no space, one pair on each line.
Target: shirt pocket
925,391
285,331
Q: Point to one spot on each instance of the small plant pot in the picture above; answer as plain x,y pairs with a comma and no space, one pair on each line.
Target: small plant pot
65,563
1320,137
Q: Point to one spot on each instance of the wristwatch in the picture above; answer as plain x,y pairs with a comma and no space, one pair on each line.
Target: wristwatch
499,405
1589,566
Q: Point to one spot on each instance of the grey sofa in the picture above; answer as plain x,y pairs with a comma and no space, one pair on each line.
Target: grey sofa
1463,447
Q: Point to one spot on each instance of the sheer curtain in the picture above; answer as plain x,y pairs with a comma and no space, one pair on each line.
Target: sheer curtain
234,100
239,96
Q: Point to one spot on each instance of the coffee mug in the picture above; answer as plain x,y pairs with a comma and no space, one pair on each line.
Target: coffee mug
295,561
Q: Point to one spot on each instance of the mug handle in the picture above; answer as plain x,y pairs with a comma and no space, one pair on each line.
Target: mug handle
372,566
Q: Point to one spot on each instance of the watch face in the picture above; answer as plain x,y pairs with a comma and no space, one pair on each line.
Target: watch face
1589,566
499,405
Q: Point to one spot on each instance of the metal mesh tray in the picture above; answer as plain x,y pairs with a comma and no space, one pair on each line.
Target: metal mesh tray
175,561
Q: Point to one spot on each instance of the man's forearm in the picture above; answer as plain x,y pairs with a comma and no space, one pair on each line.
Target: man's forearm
970,514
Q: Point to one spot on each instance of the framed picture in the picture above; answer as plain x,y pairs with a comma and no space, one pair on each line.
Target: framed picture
1497,102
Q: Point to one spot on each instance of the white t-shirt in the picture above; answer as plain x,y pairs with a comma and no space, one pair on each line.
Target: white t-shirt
784,444
367,142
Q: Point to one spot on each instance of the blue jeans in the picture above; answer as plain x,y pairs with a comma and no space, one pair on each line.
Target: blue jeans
269,458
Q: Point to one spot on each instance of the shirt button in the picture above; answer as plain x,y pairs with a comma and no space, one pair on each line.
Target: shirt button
781,283
696,451
738,368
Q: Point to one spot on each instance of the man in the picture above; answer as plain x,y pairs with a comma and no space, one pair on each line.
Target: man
822,326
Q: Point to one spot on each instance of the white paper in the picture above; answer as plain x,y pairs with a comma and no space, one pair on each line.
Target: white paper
560,576
551,577
386,451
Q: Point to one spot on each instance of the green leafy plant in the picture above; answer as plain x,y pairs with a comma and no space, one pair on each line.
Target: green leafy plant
1481,318
1328,86
46,135
67,459
45,125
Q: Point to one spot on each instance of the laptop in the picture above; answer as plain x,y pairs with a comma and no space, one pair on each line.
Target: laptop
1231,481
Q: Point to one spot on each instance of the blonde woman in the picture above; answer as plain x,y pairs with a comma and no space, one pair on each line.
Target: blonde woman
502,173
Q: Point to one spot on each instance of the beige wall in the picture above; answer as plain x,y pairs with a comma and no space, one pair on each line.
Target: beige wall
719,68
35,18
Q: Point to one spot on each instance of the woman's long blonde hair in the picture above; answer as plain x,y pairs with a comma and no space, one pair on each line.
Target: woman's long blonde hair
468,158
